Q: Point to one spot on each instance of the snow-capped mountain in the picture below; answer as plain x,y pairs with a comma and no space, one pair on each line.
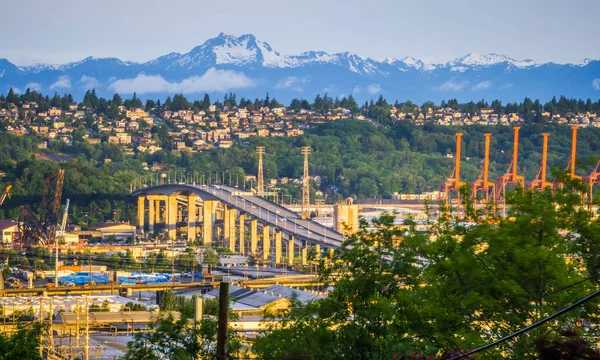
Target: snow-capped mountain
476,60
251,67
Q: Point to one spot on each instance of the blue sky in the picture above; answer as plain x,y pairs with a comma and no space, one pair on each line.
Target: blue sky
59,31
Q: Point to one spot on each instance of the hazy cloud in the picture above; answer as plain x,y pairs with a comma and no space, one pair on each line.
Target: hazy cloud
212,80
483,85
453,85
596,84
506,86
63,82
33,86
374,89
88,82
292,82
329,88
356,90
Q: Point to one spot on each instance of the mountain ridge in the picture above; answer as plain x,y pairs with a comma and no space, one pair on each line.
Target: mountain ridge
226,59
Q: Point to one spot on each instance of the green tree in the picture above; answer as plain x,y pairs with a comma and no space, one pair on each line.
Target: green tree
355,320
23,344
458,285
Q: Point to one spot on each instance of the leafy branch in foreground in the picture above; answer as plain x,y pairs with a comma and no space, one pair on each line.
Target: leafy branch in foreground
459,285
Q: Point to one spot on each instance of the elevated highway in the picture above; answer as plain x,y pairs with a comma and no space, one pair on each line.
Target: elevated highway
239,211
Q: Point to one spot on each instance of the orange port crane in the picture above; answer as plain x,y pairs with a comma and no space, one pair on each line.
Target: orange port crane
510,176
573,159
593,179
482,184
540,182
453,184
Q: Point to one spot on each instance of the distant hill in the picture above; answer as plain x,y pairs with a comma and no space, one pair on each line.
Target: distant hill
251,67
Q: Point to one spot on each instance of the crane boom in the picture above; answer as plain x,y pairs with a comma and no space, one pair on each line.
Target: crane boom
60,232
5,194
63,224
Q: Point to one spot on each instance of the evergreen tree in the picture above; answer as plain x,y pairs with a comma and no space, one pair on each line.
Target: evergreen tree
135,102
206,102
11,97
117,100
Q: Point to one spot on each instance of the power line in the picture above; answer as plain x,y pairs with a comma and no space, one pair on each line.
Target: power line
488,317
530,327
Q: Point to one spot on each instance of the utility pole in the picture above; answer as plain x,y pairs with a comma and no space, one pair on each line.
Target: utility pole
305,183
51,330
86,351
90,264
260,150
222,321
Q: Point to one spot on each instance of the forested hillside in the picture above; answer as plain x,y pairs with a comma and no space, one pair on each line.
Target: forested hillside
353,158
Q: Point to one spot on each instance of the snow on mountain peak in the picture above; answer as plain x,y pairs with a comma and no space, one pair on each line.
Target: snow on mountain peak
474,59
410,62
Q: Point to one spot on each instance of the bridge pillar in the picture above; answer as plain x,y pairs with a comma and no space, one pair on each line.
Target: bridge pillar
345,219
278,247
191,229
253,236
304,252
318,252
226,225
151,215
230,215
157,206
242,233
290,251
141,214
208,213
172,216
266,242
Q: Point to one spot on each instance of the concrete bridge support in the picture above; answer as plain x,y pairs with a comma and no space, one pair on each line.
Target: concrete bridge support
345,219
208,213
157,210
278,247
253,236
151,216
242,233
290,250
172,216
192,216
266,242
304,253
140,214
229,225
